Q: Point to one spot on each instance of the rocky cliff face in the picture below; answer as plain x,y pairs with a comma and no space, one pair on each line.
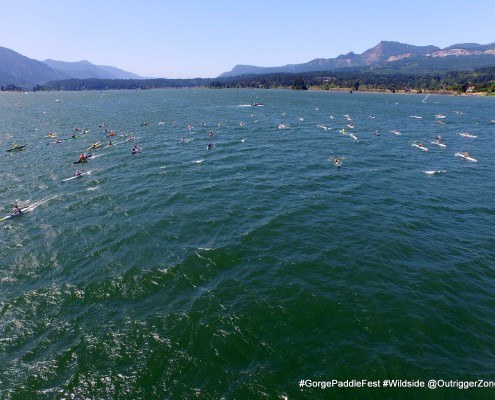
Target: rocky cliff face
461,52
384,54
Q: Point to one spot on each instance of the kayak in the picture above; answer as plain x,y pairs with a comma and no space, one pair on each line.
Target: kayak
419,146
85,160
14,215
76,176
443,171
467,135
26,209
466,156
337,162
95,146
16,148
442,145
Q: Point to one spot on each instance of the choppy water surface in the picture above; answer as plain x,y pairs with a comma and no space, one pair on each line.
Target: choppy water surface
181,272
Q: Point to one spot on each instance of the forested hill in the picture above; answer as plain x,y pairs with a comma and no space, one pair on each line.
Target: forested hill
480,80
116,84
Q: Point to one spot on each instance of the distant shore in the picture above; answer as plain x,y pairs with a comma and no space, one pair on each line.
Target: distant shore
443,92
402,91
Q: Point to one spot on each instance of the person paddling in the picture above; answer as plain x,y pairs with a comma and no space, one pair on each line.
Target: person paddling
17,209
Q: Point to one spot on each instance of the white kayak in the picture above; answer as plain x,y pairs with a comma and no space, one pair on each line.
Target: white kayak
434,172
15,215
24,210
419,146
337,162
466,156
467,135
442,145
76,176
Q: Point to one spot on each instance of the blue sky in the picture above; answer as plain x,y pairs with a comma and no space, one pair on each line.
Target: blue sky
189,38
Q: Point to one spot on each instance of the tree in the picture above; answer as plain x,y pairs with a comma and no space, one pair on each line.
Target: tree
299,84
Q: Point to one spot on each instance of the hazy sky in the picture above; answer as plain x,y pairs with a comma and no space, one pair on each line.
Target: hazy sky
189,38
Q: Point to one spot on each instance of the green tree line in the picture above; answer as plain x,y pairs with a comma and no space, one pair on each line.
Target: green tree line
481,80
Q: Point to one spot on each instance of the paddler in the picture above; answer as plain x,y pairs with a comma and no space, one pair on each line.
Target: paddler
17,209
83,157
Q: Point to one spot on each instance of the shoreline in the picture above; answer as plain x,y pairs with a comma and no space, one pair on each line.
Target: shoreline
310,88
402,91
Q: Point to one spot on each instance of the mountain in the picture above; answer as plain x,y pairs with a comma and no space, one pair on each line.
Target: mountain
16,69
390,55
24,72
84,70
